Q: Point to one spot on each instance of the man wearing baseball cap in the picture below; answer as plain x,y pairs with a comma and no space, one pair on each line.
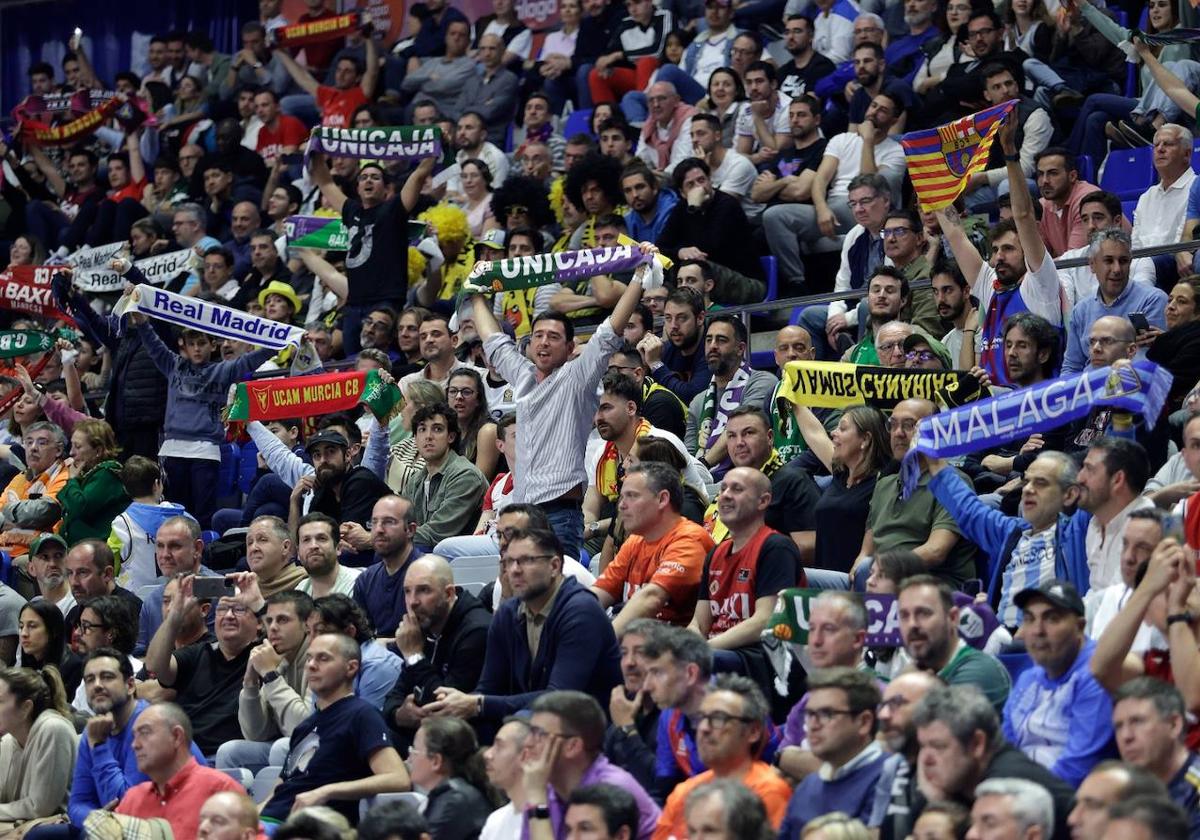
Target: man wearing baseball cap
335,487
1057,713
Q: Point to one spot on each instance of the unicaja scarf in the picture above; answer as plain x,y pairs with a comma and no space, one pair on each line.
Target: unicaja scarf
1140,387
714,414
397,142
510,275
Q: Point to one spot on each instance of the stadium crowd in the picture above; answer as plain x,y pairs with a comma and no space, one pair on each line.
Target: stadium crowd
542,598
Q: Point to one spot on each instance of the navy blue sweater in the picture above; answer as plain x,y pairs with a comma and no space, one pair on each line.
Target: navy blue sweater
577,651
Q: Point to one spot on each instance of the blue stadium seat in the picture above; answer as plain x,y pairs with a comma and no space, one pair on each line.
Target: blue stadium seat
1086,169
247,466
209,537
578,121
227,474
1128,172
771,271
508,137
6,567
1015,663
1127,207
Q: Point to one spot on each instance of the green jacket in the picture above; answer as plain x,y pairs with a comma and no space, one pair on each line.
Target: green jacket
91,501
451,505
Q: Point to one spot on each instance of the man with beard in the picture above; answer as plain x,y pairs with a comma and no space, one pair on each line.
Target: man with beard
317,538
679,364
832,326
929,628
334,487
1062,224
437,343
659,405
732,172
956,310
807,67
730,738
106,767
906,54
904,245
265,267
708,224
619,423
379,590
897,782
442,638
872,76
790,177
269,555
274,696
649,204
1020,276
887,296
733,385
447,491
656,573
632,739
1111,480
553,621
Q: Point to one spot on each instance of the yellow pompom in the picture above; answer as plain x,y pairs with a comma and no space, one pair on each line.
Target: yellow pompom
416,263
450,222
556,198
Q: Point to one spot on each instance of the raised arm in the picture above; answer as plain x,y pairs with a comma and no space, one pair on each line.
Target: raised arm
1168,82
410,194
968,259
1112,664
814,434
302,77
323,178
371,71
53,177
1022,201
330,277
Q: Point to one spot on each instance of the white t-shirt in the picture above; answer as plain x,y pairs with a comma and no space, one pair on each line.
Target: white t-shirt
744,127
711,57
504,823
847,148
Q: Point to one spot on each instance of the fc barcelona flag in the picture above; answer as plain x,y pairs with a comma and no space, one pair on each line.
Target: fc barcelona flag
940,160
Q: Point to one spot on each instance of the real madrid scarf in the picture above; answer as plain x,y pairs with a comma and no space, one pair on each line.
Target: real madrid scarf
92,273
321,393
1140,387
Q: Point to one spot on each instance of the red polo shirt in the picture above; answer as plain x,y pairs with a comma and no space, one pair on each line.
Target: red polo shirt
179,802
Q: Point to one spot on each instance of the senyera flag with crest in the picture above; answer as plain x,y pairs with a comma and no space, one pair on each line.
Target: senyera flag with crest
941,160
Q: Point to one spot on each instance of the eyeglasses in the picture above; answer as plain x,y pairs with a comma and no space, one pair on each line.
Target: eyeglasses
988,30
824,716
237,609
920,356
460,392
518,210
893,704
372,323
719,720
526,561
619,369
1105,341
888,233
384,522
88,627
907,425
890,347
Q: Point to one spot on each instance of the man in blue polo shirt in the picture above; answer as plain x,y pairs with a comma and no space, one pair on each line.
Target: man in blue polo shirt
380,589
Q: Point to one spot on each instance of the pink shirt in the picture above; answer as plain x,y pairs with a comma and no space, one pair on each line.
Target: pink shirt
1063,230
179,804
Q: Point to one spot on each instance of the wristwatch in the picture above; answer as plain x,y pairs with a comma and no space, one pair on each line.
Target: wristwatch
1175,618
270,677
538,812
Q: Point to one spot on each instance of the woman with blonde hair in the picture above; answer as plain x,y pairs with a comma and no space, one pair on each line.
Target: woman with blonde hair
835,826
94,495
38,747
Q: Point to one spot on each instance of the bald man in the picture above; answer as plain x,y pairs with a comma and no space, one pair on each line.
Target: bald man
228,816
744,573
442,638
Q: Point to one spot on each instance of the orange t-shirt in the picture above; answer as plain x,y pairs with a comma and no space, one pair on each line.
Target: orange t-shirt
761,778
674,562
338,106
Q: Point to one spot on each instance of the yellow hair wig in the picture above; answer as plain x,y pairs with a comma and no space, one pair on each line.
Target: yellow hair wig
416,264
449,221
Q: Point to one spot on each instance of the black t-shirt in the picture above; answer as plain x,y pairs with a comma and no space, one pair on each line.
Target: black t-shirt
132,601
377,260
843,510
334,744
207,686
795,161
664,411
794,81
794,497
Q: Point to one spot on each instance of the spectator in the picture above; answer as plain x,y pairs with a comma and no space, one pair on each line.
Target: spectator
30,501
1057,713
1147,817
554,622
890,812
1149,720
649,204
710,218
178,549
445,761
502,762
1111,479
442,638
491,91
281,134
89,566
568,729
440,77
352,757
730,738
679,364
657,571
881,336
379,667
665,139
929,628
43,641
1162,209
1063,226
274,695
961,746
379,589
63,222
1109,783
336,488
807,67
1023,804
446,494
840,721
847,155
537,126
317,543
637,43
353,85
206,677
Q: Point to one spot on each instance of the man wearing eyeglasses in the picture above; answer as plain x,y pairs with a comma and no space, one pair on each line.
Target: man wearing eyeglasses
730,737
904,246
962,91
840,719
206,678
890,813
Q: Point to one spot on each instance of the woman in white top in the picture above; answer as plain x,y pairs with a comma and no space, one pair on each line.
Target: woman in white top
477,192
955,51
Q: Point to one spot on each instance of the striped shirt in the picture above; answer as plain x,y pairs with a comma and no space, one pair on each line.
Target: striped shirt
554,416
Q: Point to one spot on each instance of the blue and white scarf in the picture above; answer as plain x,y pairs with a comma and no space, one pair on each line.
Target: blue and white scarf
1140,387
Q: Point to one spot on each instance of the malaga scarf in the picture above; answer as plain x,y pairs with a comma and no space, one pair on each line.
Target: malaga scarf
714,414
790,620
329,233
841,385
320,393
92,273
317,31
396,142
1140,387
17,343
941,160
26,288
510,275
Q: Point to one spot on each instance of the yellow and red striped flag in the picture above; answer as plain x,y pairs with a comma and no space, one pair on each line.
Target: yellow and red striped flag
941,160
